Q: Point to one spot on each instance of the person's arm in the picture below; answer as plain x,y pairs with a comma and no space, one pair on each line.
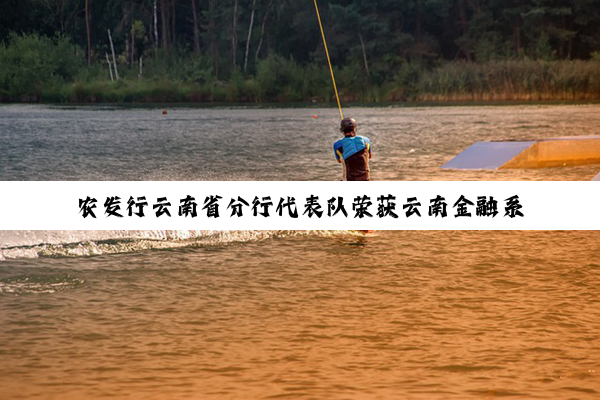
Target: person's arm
337,150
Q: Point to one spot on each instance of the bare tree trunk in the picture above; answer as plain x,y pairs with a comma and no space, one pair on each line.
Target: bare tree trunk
140,74
127,50
164,24
112,49
364,51
155,30
249,35
109,67
196,29
234,33
212,37
173,23
132,47
87,28
262,32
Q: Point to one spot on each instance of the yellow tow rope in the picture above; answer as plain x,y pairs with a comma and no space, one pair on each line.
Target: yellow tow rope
337,96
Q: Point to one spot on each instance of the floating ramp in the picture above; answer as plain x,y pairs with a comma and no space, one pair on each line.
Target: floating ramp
537,153
597,177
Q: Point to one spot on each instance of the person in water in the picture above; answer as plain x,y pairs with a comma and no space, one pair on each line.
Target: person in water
354,152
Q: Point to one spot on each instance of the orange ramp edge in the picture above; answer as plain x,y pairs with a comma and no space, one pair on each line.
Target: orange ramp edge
555,152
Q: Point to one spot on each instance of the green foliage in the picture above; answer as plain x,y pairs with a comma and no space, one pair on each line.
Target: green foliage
380,49
276,73
405,82
385,32
30,62
138,29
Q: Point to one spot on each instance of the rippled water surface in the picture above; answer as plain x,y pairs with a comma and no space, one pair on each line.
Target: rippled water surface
100,143
287,314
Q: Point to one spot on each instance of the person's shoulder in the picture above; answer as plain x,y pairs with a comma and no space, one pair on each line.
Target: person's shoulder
337,143
366,139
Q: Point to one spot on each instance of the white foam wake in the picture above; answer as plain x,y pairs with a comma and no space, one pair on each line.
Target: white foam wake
33,244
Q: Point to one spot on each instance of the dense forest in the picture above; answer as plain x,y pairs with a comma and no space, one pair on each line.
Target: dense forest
271,50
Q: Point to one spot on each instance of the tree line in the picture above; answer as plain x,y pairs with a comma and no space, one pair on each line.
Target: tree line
219,41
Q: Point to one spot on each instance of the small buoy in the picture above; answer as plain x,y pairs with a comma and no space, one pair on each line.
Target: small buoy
315,116
164,112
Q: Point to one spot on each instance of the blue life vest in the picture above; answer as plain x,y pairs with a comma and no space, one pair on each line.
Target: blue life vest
350,145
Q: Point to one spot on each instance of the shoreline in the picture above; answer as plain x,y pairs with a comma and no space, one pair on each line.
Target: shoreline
129,92
306,105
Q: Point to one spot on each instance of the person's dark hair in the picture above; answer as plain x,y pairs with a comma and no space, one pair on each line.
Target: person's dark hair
348,125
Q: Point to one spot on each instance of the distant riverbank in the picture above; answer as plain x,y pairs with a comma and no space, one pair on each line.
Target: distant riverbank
36,69
505,81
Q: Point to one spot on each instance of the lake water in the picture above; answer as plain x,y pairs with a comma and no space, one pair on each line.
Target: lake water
291,314
102,143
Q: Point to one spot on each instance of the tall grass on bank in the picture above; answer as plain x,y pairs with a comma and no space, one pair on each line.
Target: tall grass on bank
514,80
276,80
281,80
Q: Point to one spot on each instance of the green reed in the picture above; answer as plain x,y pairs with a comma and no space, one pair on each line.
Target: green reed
512,80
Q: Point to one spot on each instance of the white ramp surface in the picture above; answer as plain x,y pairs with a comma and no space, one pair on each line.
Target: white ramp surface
487,155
